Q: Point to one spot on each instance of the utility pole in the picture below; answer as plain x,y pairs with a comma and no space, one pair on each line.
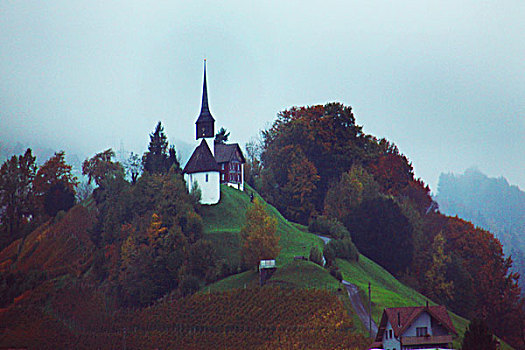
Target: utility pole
369,311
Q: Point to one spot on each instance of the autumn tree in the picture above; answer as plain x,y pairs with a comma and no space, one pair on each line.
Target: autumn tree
395,175
101,167
259,238
222,136
54,185
324,140
436,286
16,194
347,194
482,276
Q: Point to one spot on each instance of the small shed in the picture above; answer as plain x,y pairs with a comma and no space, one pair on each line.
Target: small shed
266,270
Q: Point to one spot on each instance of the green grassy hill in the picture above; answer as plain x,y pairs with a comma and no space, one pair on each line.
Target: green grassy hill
222,225
223,222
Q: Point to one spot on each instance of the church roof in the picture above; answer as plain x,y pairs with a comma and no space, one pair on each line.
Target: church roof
201,160
205,115
228,152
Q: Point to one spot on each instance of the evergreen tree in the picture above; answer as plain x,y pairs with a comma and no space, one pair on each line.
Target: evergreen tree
173,161
478,337
155,160
16,194
222,136
381,232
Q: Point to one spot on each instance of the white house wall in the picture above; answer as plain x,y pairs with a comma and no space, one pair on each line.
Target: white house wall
422,321
391,343
209,185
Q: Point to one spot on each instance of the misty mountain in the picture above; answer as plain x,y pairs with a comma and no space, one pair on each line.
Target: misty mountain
490,203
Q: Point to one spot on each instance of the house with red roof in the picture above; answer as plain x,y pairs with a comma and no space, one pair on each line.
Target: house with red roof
211,163
418,327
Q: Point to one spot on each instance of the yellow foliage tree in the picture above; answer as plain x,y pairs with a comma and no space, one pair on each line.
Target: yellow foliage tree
155,231
436,285
260,241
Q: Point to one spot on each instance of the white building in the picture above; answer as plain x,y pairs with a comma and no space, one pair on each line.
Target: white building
203,170
212,164
422,327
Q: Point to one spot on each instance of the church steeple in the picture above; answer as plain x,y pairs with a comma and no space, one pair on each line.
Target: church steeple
205,122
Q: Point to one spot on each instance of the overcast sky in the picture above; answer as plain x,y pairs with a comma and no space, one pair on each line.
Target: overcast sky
444,80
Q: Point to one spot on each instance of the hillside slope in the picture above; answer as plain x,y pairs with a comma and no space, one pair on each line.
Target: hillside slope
223,222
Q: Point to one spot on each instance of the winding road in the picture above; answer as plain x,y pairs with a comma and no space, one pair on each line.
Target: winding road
355,300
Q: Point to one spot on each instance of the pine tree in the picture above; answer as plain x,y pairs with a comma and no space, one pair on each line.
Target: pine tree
155,160
16,193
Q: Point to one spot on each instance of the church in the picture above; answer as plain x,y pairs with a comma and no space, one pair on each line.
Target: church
212,163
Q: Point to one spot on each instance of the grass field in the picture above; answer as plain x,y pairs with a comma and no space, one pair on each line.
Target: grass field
226,219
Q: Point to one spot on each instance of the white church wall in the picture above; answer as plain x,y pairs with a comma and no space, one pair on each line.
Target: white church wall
209,185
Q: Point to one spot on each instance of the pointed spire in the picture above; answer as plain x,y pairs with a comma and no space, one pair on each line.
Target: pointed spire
205,114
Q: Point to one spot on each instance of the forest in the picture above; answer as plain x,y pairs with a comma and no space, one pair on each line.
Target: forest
335,170
136,239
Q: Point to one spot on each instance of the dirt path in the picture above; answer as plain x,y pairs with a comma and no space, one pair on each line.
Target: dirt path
355,300
359,308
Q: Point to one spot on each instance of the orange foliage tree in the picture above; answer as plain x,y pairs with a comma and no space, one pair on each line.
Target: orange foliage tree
52,179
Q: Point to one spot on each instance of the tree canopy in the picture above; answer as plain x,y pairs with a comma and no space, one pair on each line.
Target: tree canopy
16,194
55,185
101,167
381,231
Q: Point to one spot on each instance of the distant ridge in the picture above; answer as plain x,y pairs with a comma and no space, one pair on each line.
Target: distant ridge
492,204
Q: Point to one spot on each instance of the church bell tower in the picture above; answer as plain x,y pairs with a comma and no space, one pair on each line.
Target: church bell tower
205,123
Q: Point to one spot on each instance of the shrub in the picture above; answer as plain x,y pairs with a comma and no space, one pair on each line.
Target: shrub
344,249
329,254
334,271
327,226
316,256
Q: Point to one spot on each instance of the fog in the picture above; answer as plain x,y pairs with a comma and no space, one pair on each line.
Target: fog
444,80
